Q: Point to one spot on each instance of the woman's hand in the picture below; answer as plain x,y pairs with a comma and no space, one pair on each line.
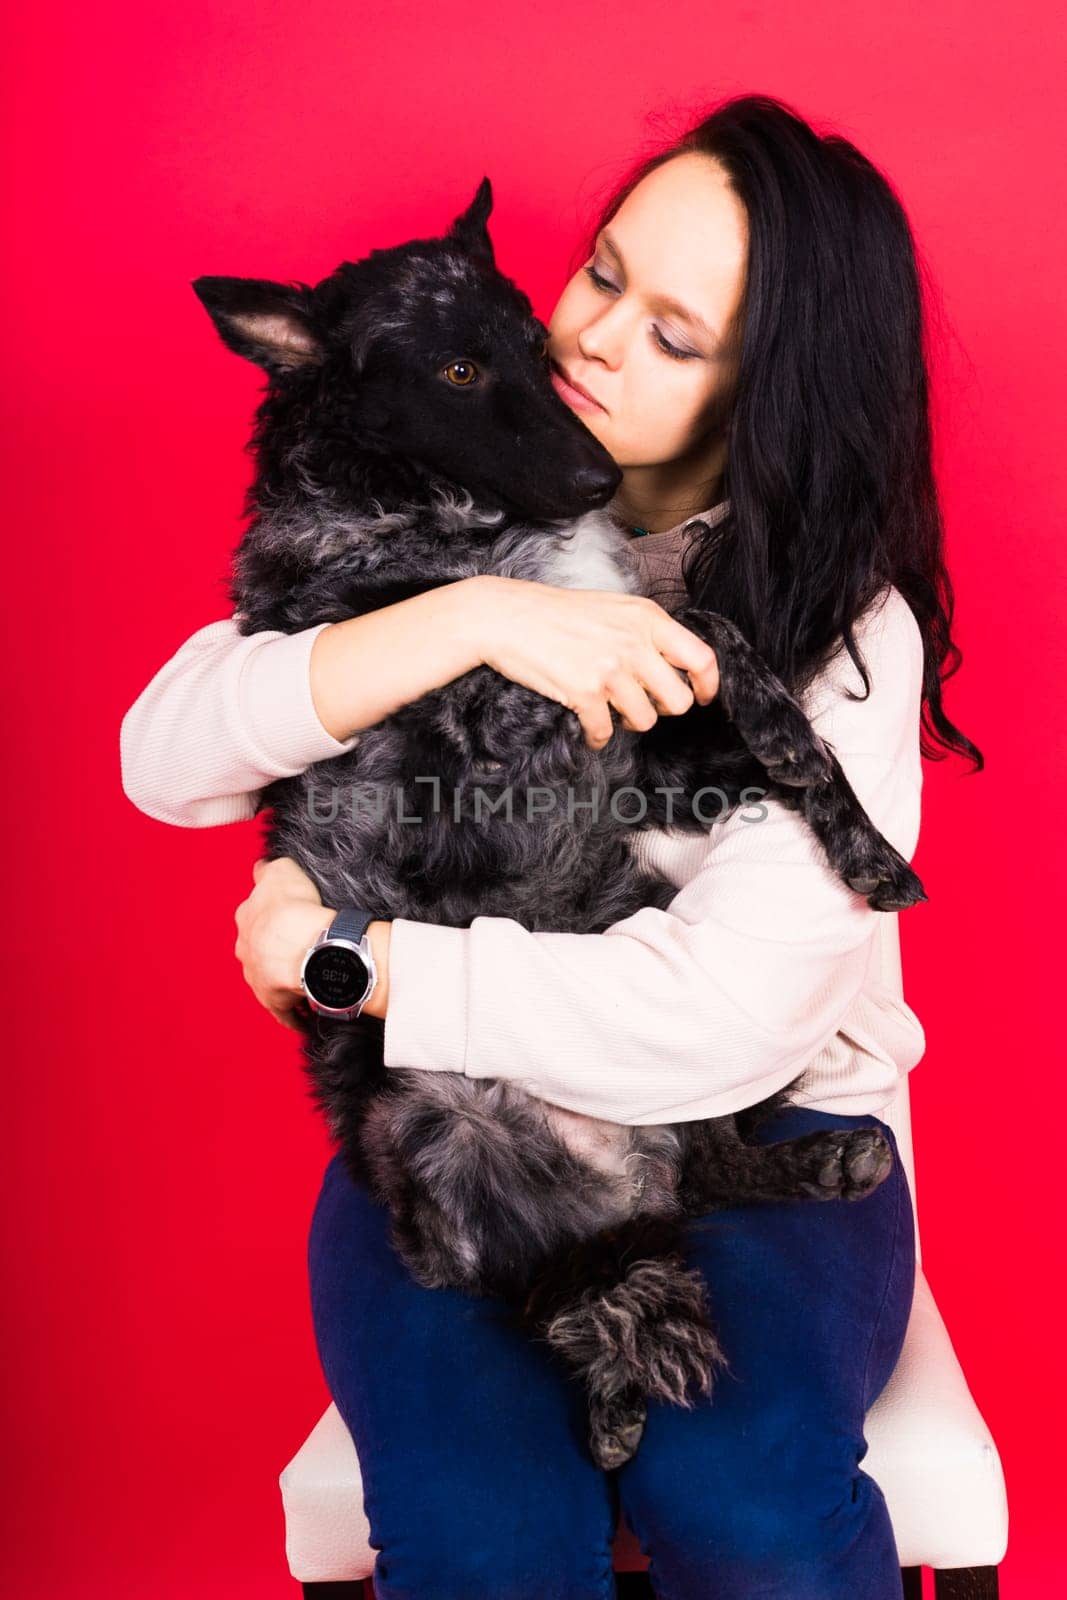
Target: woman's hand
276,926
592,649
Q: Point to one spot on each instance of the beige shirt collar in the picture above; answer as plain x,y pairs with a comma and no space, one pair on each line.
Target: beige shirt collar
658,556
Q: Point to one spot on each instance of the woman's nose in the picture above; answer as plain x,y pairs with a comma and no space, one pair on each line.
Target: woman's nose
599,341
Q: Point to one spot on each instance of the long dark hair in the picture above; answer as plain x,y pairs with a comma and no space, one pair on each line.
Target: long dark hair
829,469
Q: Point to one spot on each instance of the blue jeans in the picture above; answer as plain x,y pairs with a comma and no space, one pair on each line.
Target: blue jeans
477,1480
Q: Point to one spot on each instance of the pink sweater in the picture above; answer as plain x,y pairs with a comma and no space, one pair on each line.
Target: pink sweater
764,963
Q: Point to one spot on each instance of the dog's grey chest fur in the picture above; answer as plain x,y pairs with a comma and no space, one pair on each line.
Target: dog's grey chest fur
591,554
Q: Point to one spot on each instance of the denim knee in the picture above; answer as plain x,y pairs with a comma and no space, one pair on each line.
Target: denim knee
484,1558
784,1532
774,1524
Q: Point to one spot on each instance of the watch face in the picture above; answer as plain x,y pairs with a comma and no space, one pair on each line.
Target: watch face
336,977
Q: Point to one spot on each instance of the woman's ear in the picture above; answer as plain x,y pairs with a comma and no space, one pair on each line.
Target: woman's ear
267,323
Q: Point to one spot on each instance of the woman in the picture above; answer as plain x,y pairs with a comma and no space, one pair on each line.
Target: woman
744,335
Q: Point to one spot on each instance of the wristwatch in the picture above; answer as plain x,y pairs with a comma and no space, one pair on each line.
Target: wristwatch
338,972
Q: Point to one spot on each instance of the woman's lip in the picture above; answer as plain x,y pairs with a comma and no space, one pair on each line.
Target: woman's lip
575,388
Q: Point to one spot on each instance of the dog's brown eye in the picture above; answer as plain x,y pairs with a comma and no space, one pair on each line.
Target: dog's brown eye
461,373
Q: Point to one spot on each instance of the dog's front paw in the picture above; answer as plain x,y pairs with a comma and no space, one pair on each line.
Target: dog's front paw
883,875
787,746
799,766
898,890
848,1165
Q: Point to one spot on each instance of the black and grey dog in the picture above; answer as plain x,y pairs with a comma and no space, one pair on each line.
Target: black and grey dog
410,436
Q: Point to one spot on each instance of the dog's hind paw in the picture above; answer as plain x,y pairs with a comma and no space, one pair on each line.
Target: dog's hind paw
846,1166
615,1428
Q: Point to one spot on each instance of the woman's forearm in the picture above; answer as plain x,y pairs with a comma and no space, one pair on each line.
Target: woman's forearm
367,667
231,712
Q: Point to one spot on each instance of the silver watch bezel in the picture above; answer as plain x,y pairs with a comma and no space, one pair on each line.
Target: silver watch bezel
365,954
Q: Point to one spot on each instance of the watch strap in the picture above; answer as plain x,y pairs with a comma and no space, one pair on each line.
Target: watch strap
351,923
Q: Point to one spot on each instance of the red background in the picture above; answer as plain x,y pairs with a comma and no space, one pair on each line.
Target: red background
162,1158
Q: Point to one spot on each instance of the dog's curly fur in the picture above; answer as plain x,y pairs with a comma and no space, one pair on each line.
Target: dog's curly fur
379,475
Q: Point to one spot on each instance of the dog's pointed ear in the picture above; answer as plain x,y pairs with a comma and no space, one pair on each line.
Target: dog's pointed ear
268,323
469,230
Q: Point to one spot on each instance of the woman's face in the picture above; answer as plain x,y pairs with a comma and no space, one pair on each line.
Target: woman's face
663,381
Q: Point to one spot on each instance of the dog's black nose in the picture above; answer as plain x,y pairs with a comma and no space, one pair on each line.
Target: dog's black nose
595,483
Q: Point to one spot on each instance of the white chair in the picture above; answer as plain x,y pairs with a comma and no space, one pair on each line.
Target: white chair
929,1450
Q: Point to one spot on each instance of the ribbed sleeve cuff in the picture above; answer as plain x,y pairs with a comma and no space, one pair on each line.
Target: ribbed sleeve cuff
426,1018
277,707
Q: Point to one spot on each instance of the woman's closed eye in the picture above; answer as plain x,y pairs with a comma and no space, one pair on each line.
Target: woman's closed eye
605,284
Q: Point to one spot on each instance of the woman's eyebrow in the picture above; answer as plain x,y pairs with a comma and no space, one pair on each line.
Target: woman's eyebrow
664,302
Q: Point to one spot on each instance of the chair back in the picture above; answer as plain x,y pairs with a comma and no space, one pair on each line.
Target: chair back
898,1112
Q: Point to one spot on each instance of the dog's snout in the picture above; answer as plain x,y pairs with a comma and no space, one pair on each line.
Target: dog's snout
595,483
